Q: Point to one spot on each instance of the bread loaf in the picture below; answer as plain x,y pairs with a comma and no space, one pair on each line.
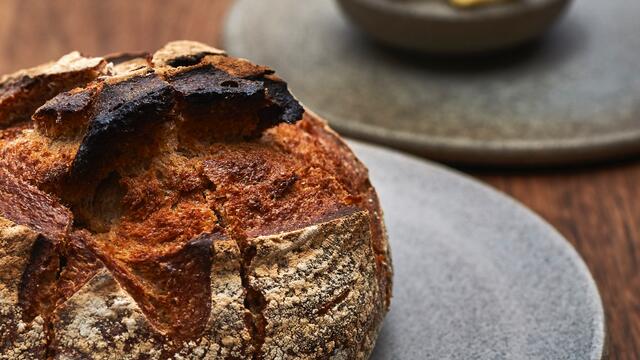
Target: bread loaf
181,205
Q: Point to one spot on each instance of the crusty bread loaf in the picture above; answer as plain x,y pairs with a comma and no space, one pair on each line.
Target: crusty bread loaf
181,205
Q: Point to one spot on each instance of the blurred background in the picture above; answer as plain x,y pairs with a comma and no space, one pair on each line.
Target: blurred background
33,31
595,207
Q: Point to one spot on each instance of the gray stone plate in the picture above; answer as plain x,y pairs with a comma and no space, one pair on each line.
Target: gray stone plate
573,97
477,275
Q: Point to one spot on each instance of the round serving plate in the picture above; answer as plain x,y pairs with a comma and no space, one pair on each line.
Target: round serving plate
477,275
572,97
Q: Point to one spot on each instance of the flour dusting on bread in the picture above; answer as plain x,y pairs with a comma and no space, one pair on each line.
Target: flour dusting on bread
181,205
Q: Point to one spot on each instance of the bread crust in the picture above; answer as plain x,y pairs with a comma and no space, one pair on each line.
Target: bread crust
22,92
180,206
19,339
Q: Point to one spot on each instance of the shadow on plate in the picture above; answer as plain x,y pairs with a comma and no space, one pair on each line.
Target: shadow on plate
564,41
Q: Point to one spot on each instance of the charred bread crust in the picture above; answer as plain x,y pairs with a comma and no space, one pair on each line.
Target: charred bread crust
120,109
179,205
23,92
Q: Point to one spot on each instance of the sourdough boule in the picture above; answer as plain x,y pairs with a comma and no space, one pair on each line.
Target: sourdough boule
181,205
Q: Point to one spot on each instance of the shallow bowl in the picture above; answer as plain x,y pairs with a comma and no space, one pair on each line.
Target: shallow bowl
435,26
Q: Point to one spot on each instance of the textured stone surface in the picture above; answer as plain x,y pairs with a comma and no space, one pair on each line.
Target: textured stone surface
477,276
573,97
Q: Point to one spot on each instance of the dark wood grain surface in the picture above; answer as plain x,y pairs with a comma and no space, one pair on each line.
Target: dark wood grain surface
596,208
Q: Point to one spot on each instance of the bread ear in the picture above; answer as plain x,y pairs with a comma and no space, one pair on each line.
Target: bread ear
23,92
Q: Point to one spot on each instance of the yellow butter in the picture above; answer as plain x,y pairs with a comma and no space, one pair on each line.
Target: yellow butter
472,3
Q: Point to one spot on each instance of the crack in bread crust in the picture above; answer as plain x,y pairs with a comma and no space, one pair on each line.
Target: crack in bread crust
177,205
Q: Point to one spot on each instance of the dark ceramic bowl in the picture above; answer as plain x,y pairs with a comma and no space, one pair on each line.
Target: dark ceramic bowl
437,27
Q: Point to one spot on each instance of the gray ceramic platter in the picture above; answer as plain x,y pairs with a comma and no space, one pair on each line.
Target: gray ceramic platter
573,97
477,275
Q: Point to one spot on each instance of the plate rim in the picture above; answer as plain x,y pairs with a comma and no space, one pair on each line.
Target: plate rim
522,153
508,153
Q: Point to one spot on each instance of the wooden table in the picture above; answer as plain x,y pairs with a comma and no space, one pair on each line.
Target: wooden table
594,207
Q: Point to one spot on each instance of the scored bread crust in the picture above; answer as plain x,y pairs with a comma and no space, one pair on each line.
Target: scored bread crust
179,205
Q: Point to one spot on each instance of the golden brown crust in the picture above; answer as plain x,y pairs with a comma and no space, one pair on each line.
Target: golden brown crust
314,143
27,205
170,185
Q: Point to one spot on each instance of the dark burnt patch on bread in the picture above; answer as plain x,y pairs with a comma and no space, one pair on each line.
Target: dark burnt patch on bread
206,86
121,110
207,103
23,92
215,106
284,105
